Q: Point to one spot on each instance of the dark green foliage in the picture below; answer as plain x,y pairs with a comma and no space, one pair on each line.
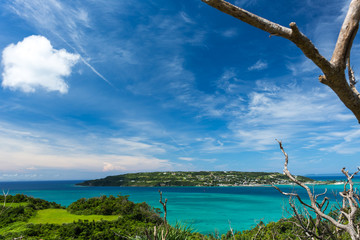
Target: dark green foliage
282,230
10,215
119,205
119,229
35,203
134,219
22,213
178,232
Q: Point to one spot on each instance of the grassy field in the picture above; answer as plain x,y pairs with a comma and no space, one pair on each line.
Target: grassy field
60,216
14,227
55,216
16,204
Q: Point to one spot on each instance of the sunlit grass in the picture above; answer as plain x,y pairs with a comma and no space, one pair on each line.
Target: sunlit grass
60,216
9,204
14,227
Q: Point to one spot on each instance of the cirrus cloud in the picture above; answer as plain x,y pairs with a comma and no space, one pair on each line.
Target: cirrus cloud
259,65
34,64
135,163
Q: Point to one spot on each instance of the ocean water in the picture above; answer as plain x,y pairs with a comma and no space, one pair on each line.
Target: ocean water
205,209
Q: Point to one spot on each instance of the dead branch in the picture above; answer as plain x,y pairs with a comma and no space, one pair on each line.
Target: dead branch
257,233
351,75
5,194
231,230
301,223
346,36
349,209
165,213
334,70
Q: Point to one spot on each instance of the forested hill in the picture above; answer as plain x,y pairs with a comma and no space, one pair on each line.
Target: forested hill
203,178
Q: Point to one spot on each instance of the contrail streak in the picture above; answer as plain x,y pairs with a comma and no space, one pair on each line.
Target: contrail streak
35,17
95,71
86,62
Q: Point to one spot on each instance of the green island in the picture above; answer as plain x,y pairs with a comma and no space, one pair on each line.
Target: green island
202,178
106,218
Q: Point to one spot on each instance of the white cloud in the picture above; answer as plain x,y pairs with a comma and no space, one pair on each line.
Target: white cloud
229,82
136,145
343,148
24,150
38,151
209,144
345,142
135,163
229,33
186,17
186,159
303,66
33,64
289,113
63,20
259,65
259,139
54,16
293,104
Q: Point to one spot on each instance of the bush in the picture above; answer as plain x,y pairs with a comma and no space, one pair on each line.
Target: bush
111,205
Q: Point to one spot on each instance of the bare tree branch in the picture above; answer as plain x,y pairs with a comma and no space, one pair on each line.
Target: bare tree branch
351,75
309,49
292,195
301,224
250,18
165,213
293,33
231,230
334,70
350,205
347,34
5,194
334,77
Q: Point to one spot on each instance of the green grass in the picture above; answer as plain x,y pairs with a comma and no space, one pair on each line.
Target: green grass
16,204
14,227
60,216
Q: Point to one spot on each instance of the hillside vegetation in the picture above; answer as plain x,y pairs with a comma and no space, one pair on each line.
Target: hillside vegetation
203,178
107,218
95,218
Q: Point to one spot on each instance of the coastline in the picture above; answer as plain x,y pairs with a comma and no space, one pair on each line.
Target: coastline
205,179
226,186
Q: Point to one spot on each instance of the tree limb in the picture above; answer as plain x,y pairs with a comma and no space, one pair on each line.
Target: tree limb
165,213
334,75
350,205
250,18
293,33
346,36
314,206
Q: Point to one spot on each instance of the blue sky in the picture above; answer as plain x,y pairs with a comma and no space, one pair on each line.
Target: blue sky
101,87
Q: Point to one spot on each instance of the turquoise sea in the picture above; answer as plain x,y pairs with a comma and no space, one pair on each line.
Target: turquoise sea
205,209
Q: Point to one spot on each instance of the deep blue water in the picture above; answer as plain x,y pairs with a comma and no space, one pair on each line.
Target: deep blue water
206,209
330,177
